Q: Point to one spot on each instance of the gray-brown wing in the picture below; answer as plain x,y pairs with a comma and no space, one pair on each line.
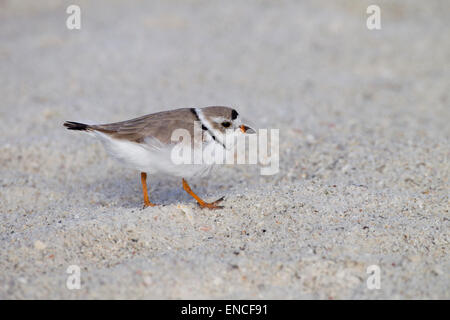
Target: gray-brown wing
157,125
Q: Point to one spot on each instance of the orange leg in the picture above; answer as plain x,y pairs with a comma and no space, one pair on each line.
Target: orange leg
201,203
147,202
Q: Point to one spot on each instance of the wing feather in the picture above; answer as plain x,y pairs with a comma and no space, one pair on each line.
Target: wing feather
157,126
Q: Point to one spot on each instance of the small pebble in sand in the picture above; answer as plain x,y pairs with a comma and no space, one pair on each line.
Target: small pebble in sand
39,245
187,211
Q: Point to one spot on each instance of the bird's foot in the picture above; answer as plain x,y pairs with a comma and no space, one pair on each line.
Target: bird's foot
148,204
211,205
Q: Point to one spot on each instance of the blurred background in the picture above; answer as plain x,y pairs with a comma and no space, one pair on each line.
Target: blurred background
284,63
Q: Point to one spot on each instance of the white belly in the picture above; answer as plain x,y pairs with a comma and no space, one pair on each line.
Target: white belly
153,159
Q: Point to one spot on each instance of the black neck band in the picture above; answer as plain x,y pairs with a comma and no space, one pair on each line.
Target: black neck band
205,128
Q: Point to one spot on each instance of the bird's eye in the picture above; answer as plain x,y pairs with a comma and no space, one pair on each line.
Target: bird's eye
226,124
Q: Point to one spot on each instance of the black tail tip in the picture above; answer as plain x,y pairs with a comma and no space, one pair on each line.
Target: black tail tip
76,126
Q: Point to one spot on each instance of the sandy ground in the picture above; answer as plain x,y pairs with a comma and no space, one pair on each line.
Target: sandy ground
364,147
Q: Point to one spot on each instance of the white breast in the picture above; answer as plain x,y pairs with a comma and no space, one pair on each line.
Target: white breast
152,157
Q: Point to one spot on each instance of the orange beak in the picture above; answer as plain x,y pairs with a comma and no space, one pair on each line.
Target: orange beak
246,129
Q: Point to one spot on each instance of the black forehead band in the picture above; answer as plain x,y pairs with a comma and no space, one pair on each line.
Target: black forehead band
234,114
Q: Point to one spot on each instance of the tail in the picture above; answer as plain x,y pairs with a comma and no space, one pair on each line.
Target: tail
77,126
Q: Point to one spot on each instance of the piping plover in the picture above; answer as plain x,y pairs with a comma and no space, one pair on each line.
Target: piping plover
146,144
